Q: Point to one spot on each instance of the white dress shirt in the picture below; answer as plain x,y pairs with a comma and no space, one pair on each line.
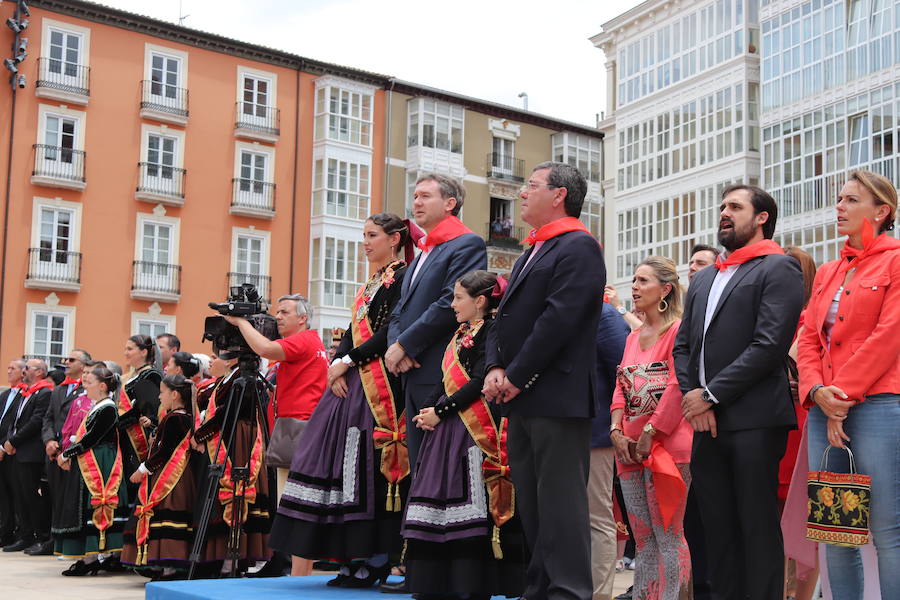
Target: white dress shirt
712,302
537,247
423,256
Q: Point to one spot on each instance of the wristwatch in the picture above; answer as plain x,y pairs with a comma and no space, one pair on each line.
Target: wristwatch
347,360
616,427
706,396
621,309
650,429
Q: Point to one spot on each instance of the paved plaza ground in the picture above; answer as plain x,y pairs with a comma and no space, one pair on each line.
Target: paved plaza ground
25,577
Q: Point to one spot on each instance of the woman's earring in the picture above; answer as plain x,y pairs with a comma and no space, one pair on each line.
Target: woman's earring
663,306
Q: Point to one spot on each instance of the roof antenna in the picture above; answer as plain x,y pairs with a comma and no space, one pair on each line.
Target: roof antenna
181,15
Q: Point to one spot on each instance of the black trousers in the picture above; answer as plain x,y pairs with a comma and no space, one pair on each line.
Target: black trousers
550,460
8,506
735,479
415,396
693,533
34,509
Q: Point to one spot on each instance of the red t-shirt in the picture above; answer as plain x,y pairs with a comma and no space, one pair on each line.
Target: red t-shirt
301,378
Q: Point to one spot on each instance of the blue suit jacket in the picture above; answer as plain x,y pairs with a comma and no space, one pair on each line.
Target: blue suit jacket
422,321
611,335
546,325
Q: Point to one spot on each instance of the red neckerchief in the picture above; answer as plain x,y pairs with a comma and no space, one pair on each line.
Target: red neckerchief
448,229
21,387
553,229
742,255
415,234
28,391
70,381
872,244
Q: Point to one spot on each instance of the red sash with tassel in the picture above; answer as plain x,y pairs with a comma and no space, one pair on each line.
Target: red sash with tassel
390,429
489,437
135,432
166,481
104,494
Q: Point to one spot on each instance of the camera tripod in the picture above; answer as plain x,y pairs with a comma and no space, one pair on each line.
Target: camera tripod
243,388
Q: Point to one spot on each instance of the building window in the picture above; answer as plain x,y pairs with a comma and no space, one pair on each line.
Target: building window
253,171
435,124
582,152
59,140
341,189
164,75
249,255
344,116
56,235
152,328
343,270
65,53
255,96
859,140
49,335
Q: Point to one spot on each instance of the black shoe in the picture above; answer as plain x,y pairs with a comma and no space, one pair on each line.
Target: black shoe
274,567
44,548
626,595
112,565
19,545
394,588
376,574
7,540
341,578
80,568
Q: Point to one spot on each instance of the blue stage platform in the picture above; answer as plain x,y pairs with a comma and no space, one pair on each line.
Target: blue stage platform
273,588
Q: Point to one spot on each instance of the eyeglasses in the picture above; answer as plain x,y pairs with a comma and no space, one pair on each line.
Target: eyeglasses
531,186
69,359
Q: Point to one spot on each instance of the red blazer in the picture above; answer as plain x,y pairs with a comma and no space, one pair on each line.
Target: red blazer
864,357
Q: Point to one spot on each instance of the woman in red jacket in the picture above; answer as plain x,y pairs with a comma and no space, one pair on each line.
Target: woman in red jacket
849,362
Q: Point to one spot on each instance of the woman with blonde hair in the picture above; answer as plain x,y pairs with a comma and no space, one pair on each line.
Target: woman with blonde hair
849,362
651,437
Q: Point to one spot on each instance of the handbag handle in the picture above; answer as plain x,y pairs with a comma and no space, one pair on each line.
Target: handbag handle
825,459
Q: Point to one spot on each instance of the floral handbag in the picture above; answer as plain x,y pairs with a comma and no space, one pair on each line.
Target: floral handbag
838,505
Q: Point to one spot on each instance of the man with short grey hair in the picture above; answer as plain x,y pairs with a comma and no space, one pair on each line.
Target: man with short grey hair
24,446
9,401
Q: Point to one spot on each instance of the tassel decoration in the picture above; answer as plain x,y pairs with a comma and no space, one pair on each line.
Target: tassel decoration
389,501
397,497
102,545
495,543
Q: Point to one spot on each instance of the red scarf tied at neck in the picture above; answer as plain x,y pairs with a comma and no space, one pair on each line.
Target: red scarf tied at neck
742,255
553,229
448,229
43,383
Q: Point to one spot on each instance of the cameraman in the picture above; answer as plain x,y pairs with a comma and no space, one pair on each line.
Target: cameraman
302,370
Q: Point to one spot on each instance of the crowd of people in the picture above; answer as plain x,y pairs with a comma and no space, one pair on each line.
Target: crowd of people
484,436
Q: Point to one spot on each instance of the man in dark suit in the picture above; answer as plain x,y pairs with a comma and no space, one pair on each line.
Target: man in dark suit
422,321
541,358
60,399
9,403
27,453
739,319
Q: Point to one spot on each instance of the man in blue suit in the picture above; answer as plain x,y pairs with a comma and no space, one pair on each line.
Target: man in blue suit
541,358
422,321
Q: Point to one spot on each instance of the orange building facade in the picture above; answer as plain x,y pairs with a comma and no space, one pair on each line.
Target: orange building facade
149,166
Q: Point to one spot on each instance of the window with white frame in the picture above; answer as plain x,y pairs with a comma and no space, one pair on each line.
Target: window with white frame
155,269
249,255
435,124
49,334
64,57
65,53
503,155
254,169
256,97
339,268
583,152
250,261
58,154
152,328
161,156
55,255
344,115
341,189
165,76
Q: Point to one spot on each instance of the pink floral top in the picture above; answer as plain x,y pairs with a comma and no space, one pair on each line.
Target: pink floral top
77,410
647,390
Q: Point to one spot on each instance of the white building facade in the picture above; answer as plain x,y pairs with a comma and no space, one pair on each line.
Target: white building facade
682,122
830,95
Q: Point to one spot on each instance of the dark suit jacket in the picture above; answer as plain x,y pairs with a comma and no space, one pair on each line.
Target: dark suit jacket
611,335
27,439
6,422
546,326
422,320
746,343
57,411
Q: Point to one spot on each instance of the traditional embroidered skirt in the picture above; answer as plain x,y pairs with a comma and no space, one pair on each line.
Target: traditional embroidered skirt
171,528
448,527
255,529
67,517
85,540
334,503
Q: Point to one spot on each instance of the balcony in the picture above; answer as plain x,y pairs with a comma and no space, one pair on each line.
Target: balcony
163,102
504,237
160,184
263,283
251,198
50,359
63,81
157,282
257,122
53,270
59,167
505,167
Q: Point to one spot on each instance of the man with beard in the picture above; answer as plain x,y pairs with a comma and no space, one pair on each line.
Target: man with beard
739,320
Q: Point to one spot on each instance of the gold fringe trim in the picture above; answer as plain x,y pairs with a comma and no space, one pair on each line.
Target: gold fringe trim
495,543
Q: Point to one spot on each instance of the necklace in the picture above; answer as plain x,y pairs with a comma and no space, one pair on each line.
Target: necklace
382,277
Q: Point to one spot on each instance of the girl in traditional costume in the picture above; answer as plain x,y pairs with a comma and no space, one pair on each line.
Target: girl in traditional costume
102,504
161,540
343,499
138,402
462,537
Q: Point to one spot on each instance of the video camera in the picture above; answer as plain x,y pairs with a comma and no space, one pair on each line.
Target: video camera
243,301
